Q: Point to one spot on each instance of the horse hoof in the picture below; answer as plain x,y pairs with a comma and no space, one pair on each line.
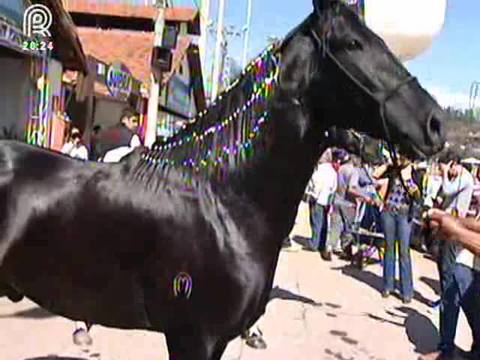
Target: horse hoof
256,341
82,338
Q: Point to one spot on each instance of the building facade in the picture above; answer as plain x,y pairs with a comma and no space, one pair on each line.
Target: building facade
32,96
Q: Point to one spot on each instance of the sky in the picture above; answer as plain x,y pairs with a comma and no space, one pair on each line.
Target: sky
447,69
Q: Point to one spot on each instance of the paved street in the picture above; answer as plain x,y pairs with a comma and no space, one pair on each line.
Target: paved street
350,320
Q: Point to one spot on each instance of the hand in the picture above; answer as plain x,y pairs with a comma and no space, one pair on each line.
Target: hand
378,203
443,223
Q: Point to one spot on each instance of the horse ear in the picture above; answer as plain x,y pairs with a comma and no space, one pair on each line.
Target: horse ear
321,6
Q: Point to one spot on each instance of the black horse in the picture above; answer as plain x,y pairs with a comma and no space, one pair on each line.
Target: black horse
185,239
362,145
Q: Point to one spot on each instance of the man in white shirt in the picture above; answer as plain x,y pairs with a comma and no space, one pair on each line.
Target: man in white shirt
320,192
458,267
74,148
117,141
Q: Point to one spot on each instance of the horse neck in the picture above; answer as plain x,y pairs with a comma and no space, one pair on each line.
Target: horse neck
275,181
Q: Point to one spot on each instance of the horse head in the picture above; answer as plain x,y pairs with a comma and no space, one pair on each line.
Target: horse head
355,81
364,146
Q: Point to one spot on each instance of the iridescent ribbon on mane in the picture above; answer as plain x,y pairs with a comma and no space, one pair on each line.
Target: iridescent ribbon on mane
203,149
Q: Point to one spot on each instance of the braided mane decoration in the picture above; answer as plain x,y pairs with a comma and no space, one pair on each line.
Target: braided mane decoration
214,143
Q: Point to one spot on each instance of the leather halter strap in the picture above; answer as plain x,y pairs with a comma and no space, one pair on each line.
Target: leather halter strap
380,98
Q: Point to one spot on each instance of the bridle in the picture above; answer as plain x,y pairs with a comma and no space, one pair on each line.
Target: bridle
380,98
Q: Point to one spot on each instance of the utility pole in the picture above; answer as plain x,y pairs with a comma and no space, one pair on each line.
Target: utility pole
247,33
204,23
151,130
474,95
218,49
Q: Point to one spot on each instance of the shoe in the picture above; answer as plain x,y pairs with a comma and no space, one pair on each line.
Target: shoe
406,301
326,255
386,293
82,338
256,341
337,252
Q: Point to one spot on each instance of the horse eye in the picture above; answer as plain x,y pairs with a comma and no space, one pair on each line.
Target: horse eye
354,45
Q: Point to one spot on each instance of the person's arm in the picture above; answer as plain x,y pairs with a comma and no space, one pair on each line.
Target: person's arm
408,180
462,231
465,199
135,141
380,172
353,186
83,153
470,240
66,148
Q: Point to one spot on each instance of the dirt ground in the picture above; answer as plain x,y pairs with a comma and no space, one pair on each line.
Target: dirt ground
319,310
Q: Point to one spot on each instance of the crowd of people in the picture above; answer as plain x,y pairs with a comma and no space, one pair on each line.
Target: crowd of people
346,194
386,197
107,145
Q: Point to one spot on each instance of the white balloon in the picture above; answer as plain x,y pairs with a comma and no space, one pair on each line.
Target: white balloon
407,26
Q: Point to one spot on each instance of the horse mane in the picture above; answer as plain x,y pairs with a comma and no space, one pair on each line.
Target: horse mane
222,137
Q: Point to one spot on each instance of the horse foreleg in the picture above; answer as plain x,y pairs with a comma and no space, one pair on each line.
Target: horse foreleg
190,345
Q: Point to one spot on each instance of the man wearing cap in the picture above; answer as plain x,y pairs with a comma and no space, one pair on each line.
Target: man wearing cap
345,199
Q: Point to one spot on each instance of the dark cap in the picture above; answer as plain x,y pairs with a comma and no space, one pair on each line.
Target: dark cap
340,155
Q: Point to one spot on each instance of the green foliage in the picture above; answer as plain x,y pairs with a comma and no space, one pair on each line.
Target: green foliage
464,115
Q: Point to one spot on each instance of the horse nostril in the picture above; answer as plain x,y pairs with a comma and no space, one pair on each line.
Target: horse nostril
435,129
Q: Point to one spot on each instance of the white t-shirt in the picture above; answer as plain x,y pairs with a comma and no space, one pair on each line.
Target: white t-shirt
75,151
115,155
462,186
323,184
434,183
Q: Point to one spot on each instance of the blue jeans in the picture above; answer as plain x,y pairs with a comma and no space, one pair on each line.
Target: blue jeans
462,291
397,227
319,225
450,305
347,214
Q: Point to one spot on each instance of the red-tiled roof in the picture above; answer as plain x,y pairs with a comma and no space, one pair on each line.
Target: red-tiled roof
133,48
179,13
118,9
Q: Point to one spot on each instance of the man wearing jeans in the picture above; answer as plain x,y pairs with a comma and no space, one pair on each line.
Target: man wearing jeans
320,192
458,268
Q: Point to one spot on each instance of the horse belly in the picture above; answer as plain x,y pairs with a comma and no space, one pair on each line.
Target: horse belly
71,277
